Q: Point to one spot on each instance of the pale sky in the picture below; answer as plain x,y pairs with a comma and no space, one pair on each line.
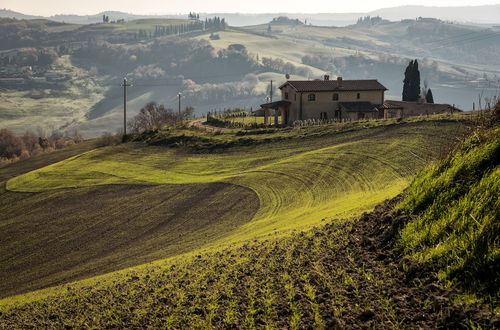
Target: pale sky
82,7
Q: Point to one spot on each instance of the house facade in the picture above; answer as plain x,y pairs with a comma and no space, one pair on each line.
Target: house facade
328,99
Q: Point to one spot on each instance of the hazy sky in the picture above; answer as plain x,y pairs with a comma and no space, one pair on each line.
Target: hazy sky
51,7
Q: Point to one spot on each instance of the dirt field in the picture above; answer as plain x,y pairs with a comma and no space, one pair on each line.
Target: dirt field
67,234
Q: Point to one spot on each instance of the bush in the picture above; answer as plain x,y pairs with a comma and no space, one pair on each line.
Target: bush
107,139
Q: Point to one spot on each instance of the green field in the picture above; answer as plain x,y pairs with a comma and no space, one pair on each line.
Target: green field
265,235
267,189
49,107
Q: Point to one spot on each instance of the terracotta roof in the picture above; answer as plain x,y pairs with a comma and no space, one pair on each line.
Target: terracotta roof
358,106
333,85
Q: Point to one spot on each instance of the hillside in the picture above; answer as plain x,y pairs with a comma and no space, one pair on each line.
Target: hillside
295,263
71,73
347,173
486,14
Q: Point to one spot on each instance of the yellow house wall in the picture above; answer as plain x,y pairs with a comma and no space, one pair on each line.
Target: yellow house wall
324,103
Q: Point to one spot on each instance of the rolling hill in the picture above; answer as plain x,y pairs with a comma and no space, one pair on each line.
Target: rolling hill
457,61
272,234
161,202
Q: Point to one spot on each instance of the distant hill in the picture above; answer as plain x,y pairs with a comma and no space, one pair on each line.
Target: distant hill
14,14
471,14
488,14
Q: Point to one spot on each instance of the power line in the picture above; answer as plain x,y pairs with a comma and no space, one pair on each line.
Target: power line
460,36
468,40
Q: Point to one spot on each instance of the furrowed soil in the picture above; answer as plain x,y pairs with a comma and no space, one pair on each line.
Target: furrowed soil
338,275
62,235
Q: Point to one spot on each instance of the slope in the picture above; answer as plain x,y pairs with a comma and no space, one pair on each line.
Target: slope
297,182
336,275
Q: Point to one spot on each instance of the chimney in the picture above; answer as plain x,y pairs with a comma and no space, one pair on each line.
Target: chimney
339,82
327,77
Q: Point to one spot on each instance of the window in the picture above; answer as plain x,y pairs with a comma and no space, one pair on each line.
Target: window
295,97
323,115
286,96
335,97
311,97
358,96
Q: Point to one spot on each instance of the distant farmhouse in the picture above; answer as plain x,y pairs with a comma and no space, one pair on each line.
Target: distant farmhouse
328,99
342,100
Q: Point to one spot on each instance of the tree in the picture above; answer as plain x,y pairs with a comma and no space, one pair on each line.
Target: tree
411,82
406,82
415,82
428,97
155,116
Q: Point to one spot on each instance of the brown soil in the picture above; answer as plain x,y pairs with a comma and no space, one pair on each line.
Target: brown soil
57,236
340,275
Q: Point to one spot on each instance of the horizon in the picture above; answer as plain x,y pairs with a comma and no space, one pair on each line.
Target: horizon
26,6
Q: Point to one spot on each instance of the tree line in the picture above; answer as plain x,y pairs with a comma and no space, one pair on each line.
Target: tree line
16,147
209,24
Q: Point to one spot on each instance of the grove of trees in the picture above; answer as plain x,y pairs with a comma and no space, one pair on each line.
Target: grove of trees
15,147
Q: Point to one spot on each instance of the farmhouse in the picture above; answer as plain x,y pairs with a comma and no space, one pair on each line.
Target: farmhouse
328,99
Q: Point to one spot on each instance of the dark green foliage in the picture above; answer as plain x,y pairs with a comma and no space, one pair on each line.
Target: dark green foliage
411,82
406,82
415,82
428,97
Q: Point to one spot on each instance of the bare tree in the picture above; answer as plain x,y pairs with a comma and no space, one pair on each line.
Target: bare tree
155,116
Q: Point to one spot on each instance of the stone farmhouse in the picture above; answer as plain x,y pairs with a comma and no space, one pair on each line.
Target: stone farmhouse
342,100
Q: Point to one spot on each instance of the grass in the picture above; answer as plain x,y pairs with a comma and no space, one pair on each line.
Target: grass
8,171
297,181
457,210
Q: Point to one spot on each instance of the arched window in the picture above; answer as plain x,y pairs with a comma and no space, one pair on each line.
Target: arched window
335,97
311,97
286,96
359,96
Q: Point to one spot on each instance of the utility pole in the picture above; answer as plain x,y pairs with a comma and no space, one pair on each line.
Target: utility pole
179,95
125,85
271,92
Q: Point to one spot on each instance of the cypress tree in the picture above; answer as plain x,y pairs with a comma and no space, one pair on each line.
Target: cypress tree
411,82
429,98
406,82
415,82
